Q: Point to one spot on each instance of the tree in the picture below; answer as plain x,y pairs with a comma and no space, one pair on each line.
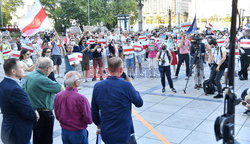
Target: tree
101,11
8,8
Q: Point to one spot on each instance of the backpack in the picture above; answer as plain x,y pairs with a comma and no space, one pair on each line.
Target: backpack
208,87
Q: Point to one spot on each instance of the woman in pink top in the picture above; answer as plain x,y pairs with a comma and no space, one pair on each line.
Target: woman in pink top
152,52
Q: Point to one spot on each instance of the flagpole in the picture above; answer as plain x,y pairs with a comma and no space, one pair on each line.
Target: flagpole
88,14
1,13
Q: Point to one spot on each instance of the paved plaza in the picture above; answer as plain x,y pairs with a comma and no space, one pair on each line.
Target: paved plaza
180,118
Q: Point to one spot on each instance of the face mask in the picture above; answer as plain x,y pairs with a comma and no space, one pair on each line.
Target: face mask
5,41
220,36
73,43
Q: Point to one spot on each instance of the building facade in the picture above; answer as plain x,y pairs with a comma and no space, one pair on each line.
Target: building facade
157,11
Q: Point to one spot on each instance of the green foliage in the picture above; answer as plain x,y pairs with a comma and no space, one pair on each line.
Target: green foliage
101,12
8,8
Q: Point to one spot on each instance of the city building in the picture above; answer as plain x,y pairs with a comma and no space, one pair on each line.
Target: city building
157,11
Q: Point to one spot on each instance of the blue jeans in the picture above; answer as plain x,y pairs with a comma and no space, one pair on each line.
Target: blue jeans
75,137
130,62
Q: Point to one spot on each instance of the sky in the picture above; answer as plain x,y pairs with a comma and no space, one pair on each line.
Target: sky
207,8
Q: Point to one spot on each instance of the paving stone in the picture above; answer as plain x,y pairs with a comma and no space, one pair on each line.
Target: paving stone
172,134
182,122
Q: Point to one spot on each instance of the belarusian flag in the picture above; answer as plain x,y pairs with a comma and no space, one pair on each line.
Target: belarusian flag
36,20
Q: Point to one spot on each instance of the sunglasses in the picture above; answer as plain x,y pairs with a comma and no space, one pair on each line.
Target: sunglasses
27,53
48,51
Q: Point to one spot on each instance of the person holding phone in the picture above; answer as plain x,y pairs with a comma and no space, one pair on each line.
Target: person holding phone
184,44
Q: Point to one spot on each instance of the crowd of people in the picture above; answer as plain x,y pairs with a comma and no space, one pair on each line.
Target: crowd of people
30,92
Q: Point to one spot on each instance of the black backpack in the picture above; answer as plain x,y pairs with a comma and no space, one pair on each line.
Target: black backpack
208,87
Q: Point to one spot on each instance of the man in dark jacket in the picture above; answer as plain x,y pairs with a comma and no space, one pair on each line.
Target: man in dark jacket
111,105
18,115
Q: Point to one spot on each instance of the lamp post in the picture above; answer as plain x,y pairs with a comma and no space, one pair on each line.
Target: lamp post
88,14
169,24
140,5
1,13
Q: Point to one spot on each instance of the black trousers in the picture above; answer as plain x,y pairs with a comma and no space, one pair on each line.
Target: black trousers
215,77
165,70
182,58
43,129
244,60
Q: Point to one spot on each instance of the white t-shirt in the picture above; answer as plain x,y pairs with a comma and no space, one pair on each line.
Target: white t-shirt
218,54
140,44
130,56
164,56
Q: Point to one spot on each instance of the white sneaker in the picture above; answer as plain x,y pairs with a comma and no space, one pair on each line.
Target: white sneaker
175,77
56,76
186,78
60,76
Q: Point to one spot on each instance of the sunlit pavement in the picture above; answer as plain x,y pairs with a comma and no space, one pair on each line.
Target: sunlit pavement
180,118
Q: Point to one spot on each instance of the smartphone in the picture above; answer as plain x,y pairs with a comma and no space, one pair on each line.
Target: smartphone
244,103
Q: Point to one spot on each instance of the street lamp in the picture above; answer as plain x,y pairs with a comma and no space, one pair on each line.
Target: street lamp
169,23
88,14
140,5
1,13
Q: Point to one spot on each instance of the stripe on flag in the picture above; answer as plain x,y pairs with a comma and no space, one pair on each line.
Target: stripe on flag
31,49
138,47
128,50
73,59
6,52
245,43
15,54
35,20
78,55
142,38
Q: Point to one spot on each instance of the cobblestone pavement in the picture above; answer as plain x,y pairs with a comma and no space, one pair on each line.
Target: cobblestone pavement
178,117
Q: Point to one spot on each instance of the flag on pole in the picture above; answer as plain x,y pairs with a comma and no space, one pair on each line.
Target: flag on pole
209,25
36,20
193,27
185,25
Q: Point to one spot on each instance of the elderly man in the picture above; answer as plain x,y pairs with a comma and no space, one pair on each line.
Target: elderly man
41,91
73,111
18,115
111,105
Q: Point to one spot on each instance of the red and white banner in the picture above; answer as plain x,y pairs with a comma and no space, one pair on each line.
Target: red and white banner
15,54
73,59
185,25
138,47
220,42
78,55
31,49
6,52
90,41
245,43
142,38
36,20
128,50
102,42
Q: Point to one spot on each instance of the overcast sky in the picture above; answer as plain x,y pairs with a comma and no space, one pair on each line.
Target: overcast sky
207,8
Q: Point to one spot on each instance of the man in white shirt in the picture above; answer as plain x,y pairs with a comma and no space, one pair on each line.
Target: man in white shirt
138,53
217,56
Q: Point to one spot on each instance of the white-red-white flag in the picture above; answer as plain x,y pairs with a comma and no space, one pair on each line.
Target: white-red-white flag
185,25
209,25
36,20
73,59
